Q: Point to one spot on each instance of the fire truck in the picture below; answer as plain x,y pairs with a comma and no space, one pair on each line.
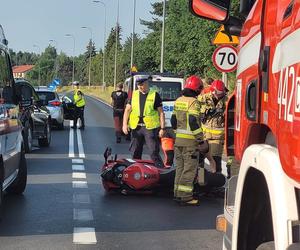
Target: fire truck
262,203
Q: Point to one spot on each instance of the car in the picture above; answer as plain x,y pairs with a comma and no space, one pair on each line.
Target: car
34,116
51,99
13,167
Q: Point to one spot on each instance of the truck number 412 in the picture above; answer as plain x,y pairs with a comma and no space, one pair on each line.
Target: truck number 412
287,94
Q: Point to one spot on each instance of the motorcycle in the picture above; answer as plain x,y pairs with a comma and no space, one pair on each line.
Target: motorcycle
142,176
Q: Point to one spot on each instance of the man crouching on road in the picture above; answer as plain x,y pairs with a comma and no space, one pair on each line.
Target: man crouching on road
189,142
146,120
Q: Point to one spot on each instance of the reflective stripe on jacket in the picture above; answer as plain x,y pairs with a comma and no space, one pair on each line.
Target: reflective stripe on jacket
214,116
79,99
183,108
150,115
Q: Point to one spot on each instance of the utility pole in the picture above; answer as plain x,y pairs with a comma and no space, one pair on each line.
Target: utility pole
133,33
56,66
116,52
36,46
73,73
163,39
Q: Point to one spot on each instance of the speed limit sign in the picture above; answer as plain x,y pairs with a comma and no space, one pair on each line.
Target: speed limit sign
225,58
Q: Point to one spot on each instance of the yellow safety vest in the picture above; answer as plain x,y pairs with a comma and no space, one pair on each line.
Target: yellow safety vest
184,107
150,115
79,99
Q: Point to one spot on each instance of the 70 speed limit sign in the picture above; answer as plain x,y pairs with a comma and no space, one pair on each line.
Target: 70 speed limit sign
225,58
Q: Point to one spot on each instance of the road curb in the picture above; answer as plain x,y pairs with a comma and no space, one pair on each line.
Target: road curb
99,100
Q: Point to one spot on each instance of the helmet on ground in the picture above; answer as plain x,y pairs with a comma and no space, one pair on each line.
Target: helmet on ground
194,83
218,88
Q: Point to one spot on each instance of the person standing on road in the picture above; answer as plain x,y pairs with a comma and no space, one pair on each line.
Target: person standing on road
207,89
186,123
79,102
146,119
213,107
118,101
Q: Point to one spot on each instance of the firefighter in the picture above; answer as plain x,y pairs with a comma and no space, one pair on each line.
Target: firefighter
186,123
79,102
118,101
213,106
208,82
146,119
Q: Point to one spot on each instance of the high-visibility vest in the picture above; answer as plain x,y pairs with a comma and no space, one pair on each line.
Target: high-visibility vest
150,115
79,99
183,108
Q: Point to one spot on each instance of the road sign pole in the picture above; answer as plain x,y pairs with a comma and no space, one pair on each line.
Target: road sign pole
225,79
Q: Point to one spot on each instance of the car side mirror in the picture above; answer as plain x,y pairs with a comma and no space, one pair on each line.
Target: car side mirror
211,9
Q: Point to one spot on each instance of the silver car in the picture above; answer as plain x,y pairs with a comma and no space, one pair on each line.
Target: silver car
51,99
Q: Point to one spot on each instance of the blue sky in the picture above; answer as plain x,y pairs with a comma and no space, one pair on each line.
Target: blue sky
29,22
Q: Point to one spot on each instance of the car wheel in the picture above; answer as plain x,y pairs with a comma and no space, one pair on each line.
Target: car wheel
19,184
45,142
28,139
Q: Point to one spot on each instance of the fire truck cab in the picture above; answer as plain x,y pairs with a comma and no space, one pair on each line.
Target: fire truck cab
262,203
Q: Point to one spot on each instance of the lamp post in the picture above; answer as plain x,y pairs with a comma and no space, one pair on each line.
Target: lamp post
163,39
104,41
56,61
36,46
90,50
70,35
116,52
133,32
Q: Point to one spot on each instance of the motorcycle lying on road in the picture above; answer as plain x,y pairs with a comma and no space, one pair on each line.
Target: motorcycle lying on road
142,176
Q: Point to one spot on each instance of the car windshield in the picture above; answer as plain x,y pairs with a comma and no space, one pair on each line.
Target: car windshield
46,95
168,91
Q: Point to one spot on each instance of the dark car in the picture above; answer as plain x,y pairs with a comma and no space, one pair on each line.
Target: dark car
35,117
13,168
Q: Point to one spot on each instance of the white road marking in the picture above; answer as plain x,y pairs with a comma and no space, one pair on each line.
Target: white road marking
80,145
77,161
71,141
76,175
78,167
84,235
81,198
79,184
82,214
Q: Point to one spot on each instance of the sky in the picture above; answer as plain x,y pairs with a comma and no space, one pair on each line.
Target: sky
35,22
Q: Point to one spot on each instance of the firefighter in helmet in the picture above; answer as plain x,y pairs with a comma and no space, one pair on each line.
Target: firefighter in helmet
186,123
213,106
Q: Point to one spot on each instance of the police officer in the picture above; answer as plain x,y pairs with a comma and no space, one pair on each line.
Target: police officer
79,102
213,106
146,119
118,101
185,121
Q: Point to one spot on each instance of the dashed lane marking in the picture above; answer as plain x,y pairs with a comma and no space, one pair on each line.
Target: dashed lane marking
80,214
78,167
81,198
76,175
77,161
79,184
84,235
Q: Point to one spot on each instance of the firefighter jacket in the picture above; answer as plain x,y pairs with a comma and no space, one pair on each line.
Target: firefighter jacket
186,121
213,116
79,98
150,115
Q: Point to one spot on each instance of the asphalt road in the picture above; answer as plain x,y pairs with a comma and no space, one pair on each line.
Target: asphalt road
65,207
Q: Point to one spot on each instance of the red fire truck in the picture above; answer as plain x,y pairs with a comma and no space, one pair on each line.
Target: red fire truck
262,203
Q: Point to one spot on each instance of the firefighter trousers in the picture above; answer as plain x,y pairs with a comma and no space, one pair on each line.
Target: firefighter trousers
186,170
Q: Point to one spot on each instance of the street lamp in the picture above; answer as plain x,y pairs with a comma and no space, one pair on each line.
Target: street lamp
116,52
70,35
36,46
104,41
133,32
163,39
90,49
56,61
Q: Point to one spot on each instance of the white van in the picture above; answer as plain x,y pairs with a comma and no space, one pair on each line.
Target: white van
168,86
